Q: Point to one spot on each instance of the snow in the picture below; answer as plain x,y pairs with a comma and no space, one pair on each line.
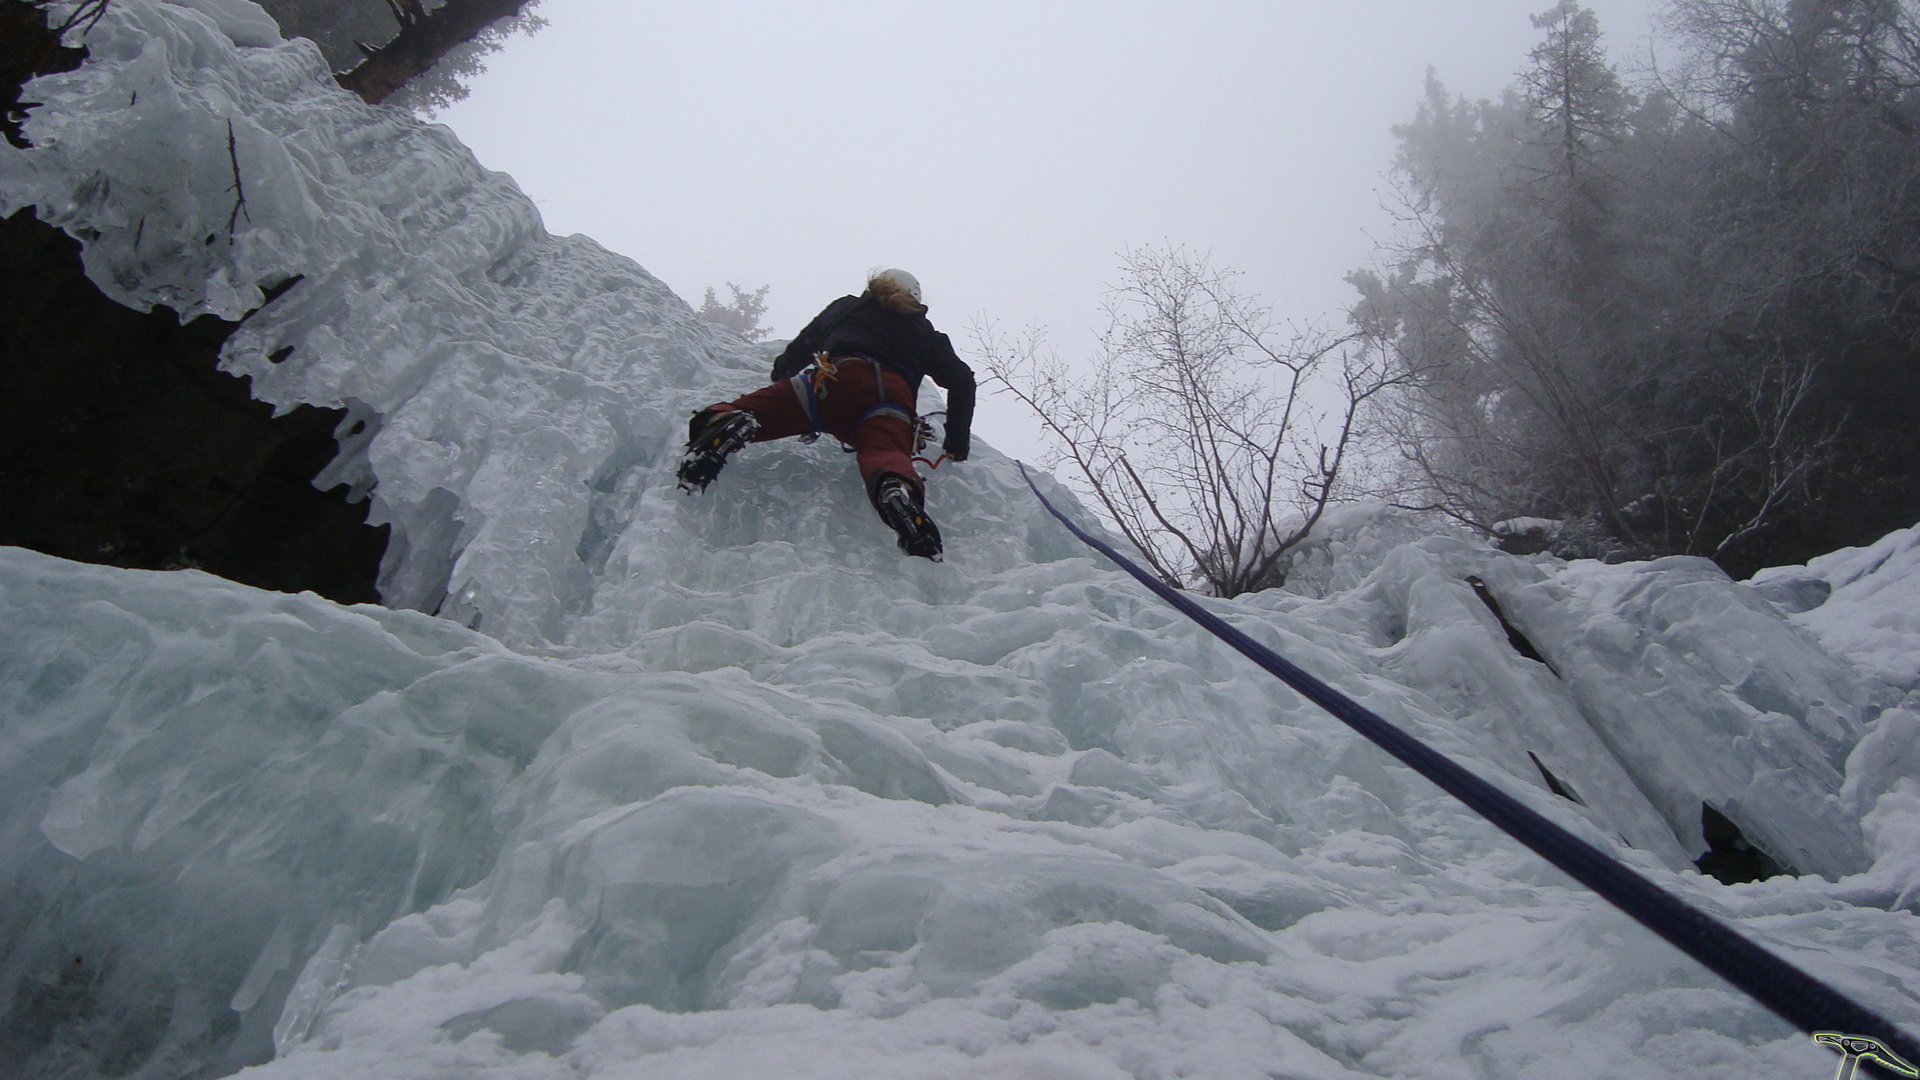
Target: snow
1522,525
723,786
1860,602
1863,603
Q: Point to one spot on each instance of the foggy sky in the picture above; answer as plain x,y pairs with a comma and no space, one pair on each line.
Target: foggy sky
1002,152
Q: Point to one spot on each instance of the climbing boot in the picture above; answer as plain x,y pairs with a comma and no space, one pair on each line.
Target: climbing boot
899,507
711,436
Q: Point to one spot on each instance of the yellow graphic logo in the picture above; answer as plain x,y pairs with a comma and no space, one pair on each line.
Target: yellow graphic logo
1855,1049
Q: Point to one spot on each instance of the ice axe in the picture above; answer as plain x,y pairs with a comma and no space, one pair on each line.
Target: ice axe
1857,1048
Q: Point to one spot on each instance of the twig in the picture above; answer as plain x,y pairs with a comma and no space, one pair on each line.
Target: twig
91,12
239,193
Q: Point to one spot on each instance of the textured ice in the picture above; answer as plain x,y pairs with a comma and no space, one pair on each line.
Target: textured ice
493,373
725,787
1862,602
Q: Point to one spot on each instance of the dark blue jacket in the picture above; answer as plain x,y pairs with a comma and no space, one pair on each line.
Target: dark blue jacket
862,326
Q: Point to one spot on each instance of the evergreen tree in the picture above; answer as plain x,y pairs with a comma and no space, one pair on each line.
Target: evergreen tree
1574,99
1507,295
741,314
1689,316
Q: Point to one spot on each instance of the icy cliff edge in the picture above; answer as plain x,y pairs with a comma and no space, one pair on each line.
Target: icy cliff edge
493,372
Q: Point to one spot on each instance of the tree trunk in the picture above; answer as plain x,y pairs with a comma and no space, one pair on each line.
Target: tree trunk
424,38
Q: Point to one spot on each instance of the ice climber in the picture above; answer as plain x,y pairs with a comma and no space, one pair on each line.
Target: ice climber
854,372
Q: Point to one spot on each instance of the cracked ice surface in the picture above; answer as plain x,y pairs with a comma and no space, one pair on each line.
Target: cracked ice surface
724,787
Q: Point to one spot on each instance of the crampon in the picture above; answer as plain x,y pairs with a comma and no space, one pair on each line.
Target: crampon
707,449
902,513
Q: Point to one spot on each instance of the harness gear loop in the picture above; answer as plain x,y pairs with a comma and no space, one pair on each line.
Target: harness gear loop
923,434
810,387
824,372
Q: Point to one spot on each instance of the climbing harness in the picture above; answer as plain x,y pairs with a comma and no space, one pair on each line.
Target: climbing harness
810,386
1792,994
813,385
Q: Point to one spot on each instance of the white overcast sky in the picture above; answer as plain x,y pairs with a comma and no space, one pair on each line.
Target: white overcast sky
1001,151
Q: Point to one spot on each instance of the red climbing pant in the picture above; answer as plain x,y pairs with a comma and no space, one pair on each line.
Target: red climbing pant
881,443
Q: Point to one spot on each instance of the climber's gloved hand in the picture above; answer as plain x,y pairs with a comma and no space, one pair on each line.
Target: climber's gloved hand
956,449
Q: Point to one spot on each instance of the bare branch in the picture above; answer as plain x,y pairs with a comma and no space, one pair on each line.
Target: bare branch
1193,433
239,192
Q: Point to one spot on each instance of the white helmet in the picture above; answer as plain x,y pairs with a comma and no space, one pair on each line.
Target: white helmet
893,275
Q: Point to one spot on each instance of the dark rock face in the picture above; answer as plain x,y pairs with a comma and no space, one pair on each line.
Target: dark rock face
121,443
1729,857
29,47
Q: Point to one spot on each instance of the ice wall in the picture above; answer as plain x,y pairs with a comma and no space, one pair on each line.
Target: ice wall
723,786
1861,602
493,372
1051,833
1864,603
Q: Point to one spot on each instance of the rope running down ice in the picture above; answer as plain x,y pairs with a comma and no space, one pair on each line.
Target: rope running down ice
1794,995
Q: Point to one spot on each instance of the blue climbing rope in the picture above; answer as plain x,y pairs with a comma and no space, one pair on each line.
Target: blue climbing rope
1795,996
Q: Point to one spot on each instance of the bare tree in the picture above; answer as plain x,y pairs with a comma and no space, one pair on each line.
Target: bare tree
1198,429
1761,456
1529,374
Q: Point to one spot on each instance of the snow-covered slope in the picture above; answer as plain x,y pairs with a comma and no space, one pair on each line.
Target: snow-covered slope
1862,602
725,787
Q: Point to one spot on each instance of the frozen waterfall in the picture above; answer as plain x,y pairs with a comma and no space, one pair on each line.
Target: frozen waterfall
724,787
